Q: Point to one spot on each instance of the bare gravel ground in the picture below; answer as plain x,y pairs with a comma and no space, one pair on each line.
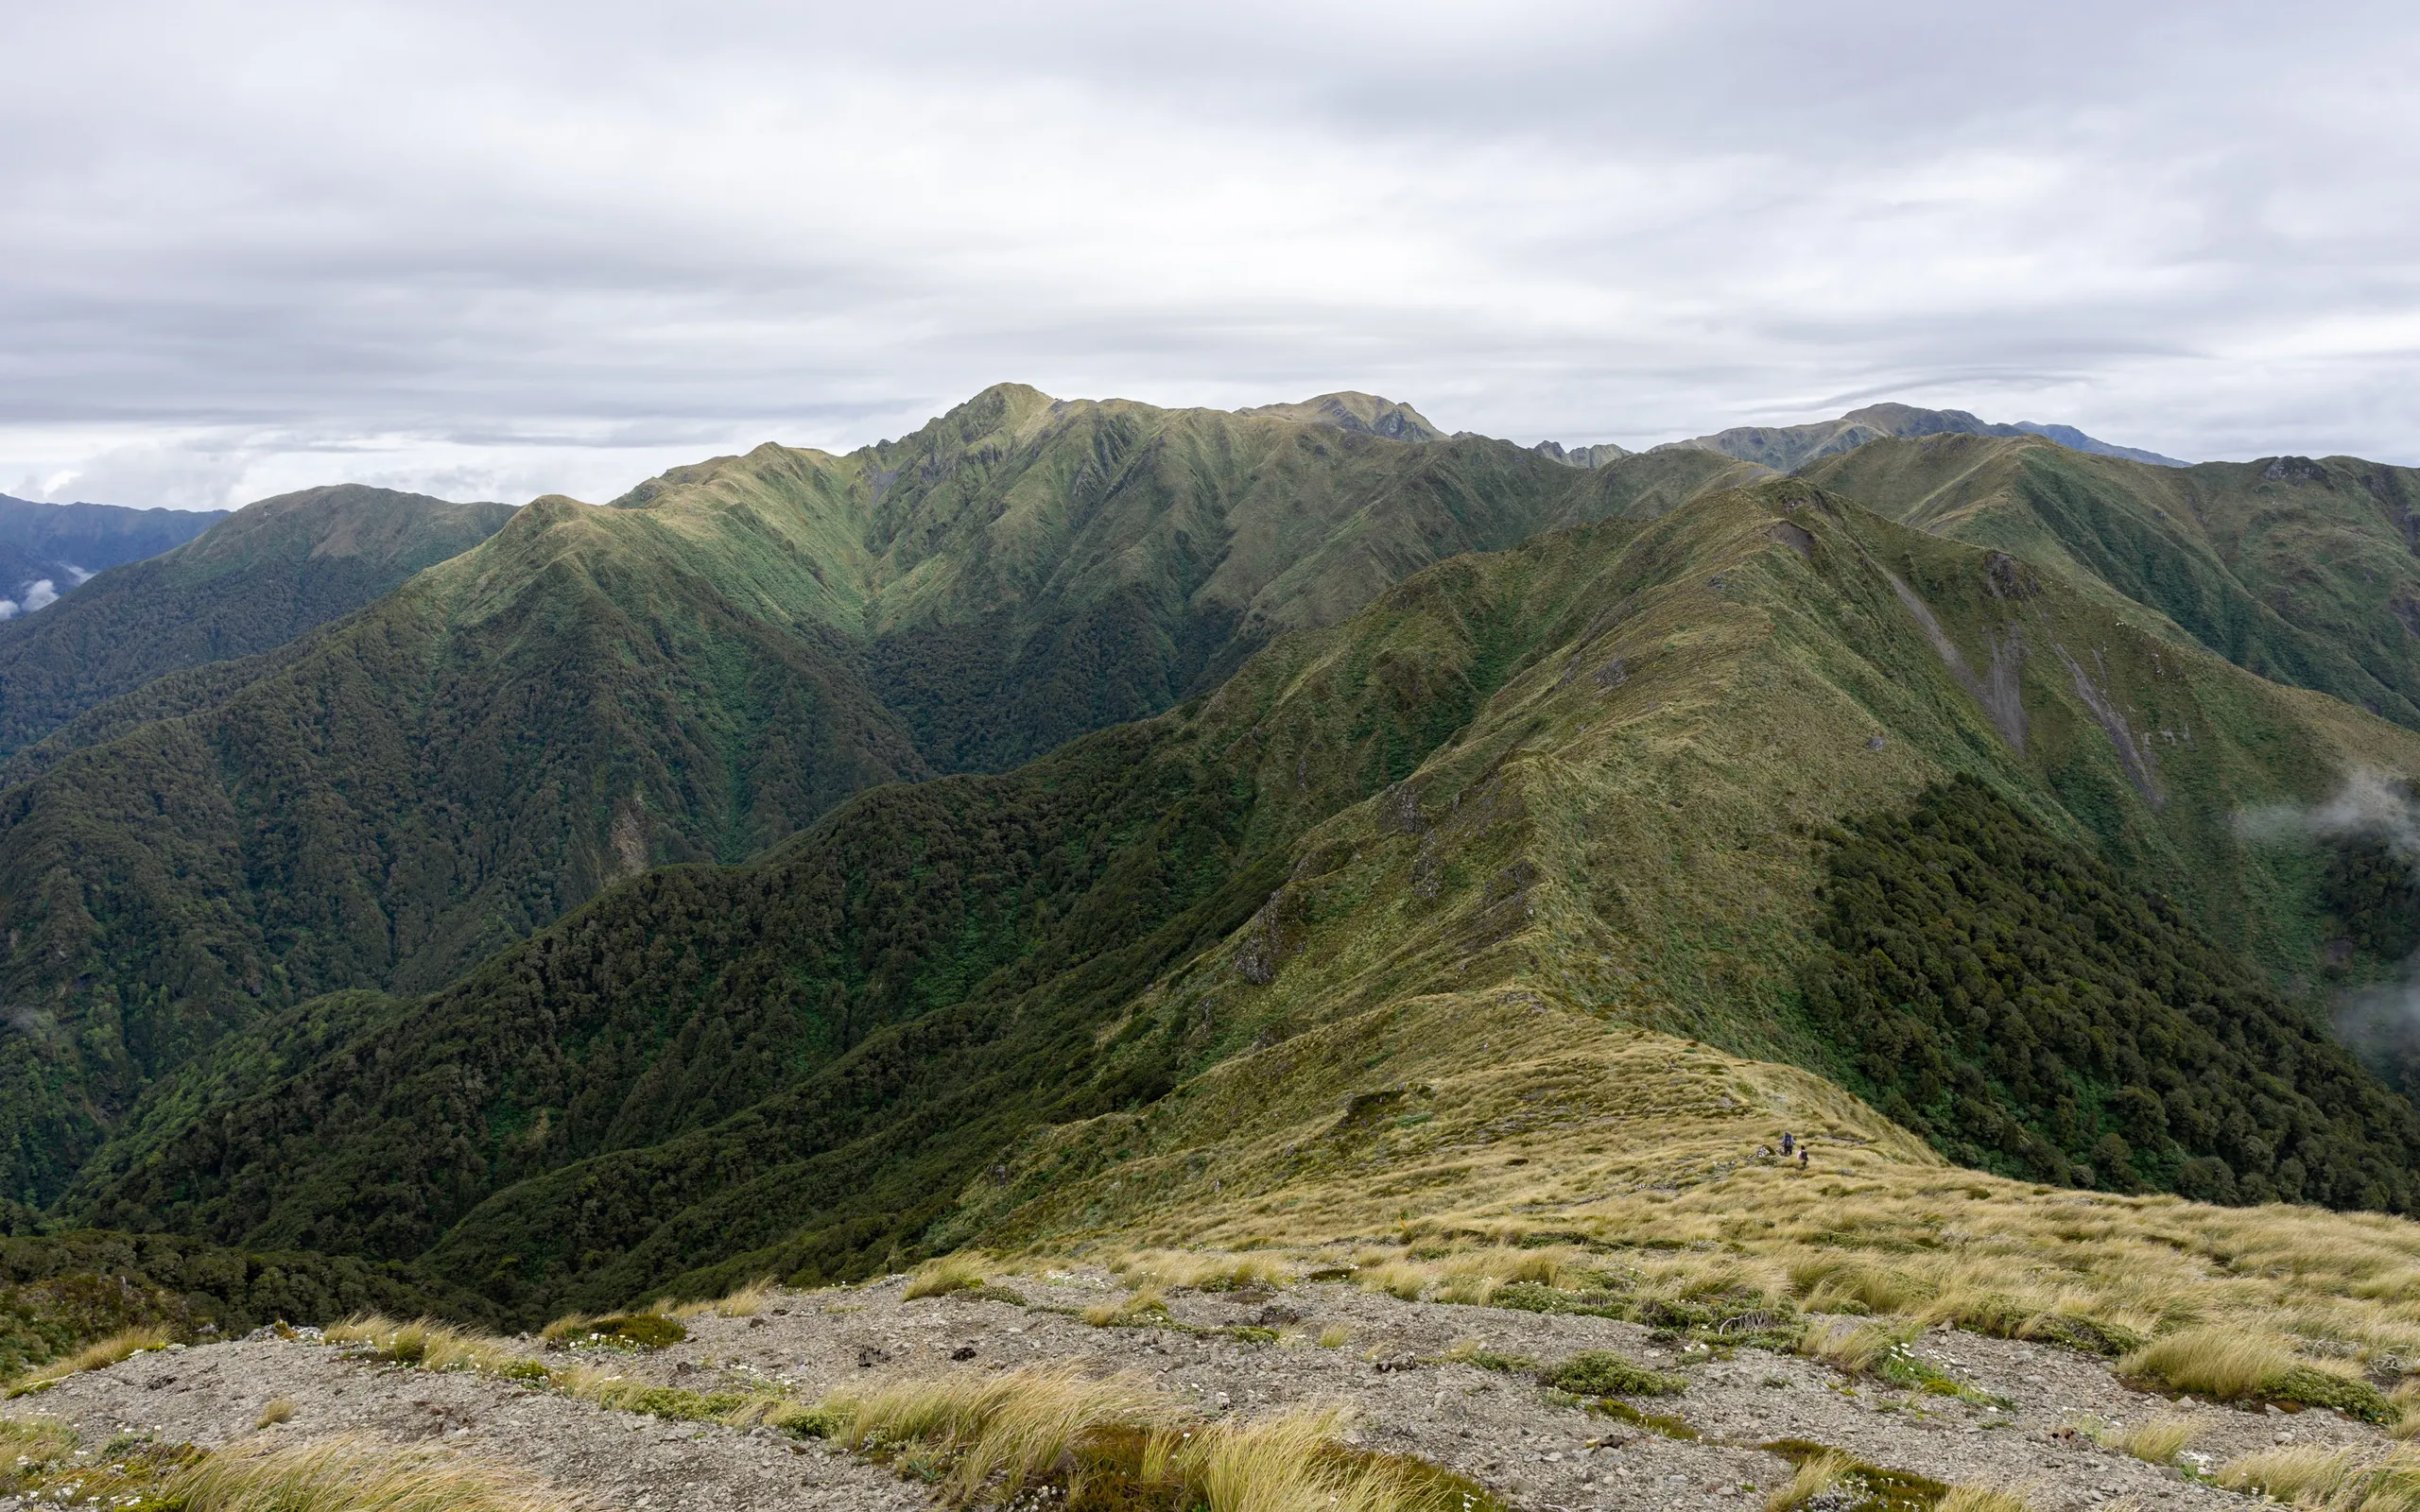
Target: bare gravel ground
1500,1428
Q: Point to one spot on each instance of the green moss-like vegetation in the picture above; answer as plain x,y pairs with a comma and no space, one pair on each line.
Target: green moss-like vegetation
2013,998
637,1330
2314,1387
1603,1373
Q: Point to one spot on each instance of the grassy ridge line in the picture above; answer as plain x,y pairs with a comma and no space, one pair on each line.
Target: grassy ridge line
1050,881
691,676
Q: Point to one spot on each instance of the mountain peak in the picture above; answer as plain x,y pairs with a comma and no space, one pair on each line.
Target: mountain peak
1362,414
1788,446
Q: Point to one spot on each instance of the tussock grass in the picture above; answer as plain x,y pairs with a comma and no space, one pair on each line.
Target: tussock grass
1214,1271
426,1343
1849,1347
2237,1365
2339,1480
39,1463
999,1435
1016,1425
1397,1279
2227,1364
1640,1180
272,1413
2295,1472
1335,1336
97,1355
1815,1475
1830,1284
353,1473
1282,1464
1990,1499
747,1302
2157,1441
940,1278
1143,1305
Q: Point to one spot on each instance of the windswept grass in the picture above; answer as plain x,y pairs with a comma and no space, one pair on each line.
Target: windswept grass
1217,1271
1990,1499
987,1438
98,1355
428,1344
747,1302
40,1461
1144,1305
1016,1426
2294,1473
352,1473
272,1413
2234,1365
2338,1480
2157,1441
1815,1475
940,1278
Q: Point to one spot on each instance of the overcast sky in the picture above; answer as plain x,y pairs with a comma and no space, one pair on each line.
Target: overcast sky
495,249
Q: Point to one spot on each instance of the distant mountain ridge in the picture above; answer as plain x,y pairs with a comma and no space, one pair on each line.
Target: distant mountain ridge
64,543
250,583
1361,414
1786,448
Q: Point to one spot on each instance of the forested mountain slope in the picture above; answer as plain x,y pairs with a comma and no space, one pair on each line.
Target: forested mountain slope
2304,571
257,580
59,541
1568,802
690,674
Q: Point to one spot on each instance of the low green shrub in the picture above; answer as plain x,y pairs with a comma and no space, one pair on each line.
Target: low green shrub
1603,1373
637,1330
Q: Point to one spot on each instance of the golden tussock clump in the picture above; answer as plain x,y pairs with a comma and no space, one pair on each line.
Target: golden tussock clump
354,1473
1815,1475
99,1354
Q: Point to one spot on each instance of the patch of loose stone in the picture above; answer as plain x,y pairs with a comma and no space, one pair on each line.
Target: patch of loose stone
1534,1448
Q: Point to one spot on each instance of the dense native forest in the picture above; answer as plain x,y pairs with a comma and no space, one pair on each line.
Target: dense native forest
2029,1011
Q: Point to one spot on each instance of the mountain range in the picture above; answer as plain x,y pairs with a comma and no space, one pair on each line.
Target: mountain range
1784,447
47,549
1082,817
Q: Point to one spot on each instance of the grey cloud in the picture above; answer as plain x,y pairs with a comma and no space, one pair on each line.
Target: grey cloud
545,242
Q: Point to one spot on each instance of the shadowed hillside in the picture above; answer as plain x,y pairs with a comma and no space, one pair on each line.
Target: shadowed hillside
2306,571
